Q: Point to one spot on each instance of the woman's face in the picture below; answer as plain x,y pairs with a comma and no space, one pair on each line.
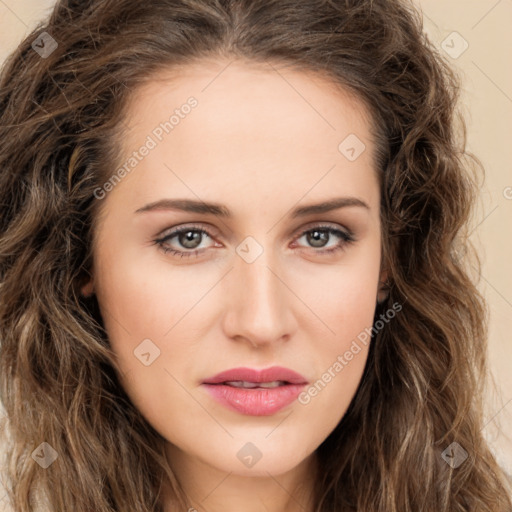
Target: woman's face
270,282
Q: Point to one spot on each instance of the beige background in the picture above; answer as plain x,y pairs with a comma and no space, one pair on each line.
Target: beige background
484,25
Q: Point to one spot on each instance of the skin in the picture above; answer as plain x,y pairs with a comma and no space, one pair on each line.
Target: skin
262,141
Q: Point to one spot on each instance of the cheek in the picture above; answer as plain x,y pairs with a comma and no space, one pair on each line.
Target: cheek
342,296
142,297
152,313
346,307
345,299
339,356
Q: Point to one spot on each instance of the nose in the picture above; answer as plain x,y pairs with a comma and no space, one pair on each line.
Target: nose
259,303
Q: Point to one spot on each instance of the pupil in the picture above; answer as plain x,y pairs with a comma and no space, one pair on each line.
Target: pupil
187,239
318,242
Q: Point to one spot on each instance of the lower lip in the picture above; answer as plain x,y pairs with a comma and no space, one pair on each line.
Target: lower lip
256,401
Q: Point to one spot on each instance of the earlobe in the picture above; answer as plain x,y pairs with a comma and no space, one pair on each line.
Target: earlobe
87,289
383,291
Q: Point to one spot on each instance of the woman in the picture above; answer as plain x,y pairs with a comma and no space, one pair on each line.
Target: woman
230,263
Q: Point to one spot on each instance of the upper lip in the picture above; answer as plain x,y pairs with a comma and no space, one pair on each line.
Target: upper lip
257,376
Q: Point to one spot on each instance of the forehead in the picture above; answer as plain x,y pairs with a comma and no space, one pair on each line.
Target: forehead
246,99
253,123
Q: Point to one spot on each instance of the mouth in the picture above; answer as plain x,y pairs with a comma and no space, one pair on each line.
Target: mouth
255,392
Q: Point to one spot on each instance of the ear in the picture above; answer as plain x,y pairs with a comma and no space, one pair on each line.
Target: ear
383,290
86,285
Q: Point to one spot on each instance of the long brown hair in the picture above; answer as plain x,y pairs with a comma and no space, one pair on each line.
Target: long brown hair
60,125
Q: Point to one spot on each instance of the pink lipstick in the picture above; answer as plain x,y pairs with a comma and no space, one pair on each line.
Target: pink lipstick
256,392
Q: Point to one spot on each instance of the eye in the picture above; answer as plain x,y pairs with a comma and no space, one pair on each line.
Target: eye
189,239
319,236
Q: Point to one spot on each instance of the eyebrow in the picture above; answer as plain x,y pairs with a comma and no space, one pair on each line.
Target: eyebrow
219,210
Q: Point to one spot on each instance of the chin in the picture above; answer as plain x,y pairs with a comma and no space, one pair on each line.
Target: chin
248,461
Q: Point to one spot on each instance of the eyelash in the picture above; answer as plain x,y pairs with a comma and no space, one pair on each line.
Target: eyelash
346,237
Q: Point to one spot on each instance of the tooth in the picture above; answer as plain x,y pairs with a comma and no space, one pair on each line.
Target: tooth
273,384
241,384
252,385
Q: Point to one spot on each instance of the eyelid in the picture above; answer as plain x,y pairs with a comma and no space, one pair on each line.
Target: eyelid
203,227
323,225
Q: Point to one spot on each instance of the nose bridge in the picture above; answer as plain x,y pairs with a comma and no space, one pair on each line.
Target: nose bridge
258,301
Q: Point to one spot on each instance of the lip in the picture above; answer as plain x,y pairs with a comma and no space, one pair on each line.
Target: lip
256,401
253,375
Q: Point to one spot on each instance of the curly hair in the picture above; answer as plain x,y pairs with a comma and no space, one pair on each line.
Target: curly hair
61,119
